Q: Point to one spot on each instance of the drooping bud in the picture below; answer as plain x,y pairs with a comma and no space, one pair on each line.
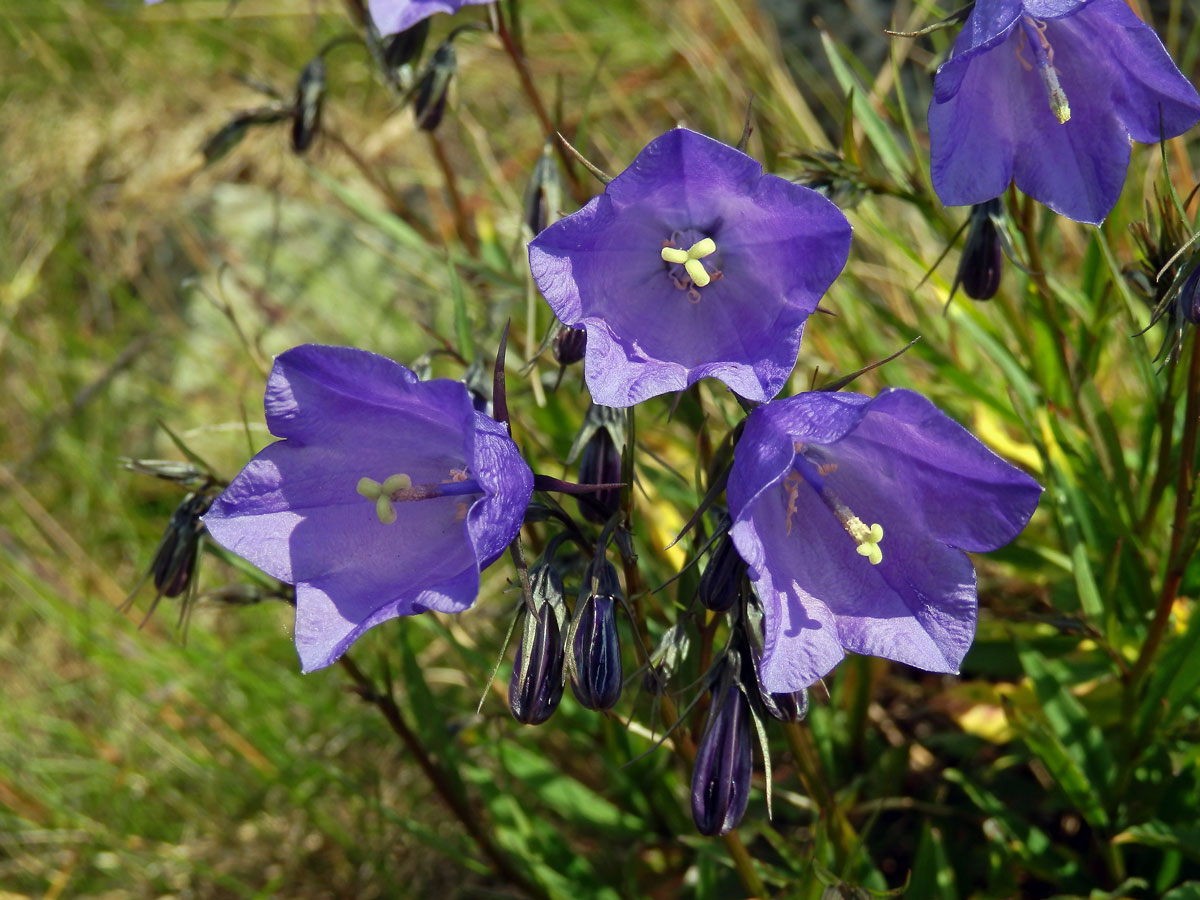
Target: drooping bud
598,447
232,132
724,575
982,260
570,344
543,195
434,88
536,685
310,95
593,646
724,758
175,559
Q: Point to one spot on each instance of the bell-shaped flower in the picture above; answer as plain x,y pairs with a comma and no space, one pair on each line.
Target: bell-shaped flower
852,514
386,497
692,264
392,16
1049,93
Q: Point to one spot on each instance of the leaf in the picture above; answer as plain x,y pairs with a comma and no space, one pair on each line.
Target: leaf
1182,838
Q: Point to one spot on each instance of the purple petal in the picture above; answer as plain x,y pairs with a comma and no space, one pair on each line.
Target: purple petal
601,269
296,513
391,16
895,460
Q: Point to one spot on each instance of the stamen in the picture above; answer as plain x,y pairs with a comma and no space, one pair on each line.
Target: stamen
866,537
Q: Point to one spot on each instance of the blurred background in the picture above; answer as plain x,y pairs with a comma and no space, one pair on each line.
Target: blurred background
142,287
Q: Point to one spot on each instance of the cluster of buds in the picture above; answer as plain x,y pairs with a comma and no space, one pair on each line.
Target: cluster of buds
588,645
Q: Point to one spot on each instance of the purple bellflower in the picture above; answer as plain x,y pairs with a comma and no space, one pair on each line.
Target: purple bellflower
691,264
852,514
386,496
392,16
1049,93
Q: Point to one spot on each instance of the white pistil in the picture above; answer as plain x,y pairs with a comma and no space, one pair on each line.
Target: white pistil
1044,61
690,259
866,537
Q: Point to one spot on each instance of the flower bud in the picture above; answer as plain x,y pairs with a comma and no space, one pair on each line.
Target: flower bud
219,144
598,446
404,47
569,345
310,95
175,559
543,196
430,104
980,266
721,776
593,646
723,577
536,685
600,464
1189,298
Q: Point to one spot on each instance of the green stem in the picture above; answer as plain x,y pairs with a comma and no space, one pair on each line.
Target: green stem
539,108
469,815
816,784
461,223
1176,560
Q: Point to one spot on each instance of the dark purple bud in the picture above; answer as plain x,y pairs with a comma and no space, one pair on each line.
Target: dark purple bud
536,685
404,47
478,379
1189,298
310,95
569,345
982,260
175,559
594,646
430,104
721,777
543,196
600,464
723,577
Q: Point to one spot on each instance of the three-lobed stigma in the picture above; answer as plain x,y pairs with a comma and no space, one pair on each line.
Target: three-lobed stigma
1033,33
867,537
690,259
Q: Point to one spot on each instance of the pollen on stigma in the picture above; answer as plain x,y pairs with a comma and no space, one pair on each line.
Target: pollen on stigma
695,273
867,537
1033,33
399,488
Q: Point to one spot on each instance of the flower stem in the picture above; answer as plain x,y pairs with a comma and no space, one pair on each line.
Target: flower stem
539,108
469,815
815,782
685,747
1176,559
461,223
